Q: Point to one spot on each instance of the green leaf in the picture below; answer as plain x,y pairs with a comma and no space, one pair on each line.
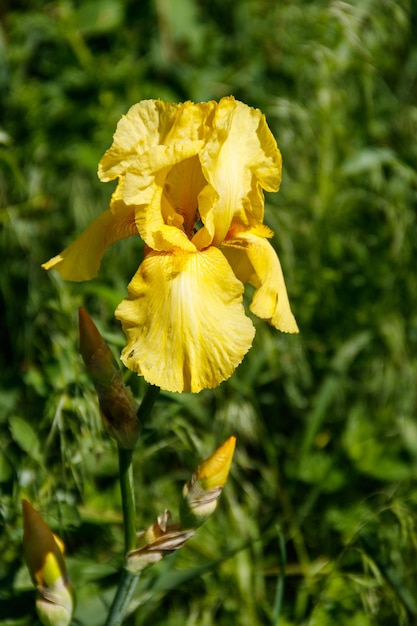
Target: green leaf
25,437
5,468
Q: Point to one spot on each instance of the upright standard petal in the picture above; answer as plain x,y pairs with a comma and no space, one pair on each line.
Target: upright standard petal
171,320
82,259
157,170
239,159
144,126
255,261
151,138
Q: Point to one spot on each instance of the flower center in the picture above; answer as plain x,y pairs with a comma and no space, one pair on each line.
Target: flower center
182,186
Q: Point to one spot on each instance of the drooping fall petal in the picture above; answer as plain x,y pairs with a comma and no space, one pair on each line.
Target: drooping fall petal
184,321
255,261
82,259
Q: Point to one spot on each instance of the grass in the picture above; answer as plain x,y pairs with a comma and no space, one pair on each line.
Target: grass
317,523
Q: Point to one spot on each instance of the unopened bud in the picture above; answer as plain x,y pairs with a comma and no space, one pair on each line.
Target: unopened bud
43,553
200,494
117,405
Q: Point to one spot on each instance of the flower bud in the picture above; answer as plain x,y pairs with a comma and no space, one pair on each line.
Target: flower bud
43,553
201,492
117,405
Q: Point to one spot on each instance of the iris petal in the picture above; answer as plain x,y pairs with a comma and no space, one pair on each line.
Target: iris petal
182,187
145,125
151,161
156,221
255,261
239,158
82,259
152,137
171,320
167,216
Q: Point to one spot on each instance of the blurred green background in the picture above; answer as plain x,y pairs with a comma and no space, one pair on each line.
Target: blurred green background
317,525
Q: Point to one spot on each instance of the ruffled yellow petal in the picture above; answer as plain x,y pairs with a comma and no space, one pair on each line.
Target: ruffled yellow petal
164,173
255,261
82,259
184,321
143,173
239,159
151,138
145,125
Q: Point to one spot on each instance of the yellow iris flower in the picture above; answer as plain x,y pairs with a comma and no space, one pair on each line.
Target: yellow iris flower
190,183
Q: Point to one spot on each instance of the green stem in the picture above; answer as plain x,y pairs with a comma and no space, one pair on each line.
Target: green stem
129,580
128,497
122,598
282,559
147,403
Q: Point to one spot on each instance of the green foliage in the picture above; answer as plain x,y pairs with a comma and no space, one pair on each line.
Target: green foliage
316,525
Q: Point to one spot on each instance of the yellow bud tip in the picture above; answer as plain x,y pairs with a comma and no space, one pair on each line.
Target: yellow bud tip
41,551
213,472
